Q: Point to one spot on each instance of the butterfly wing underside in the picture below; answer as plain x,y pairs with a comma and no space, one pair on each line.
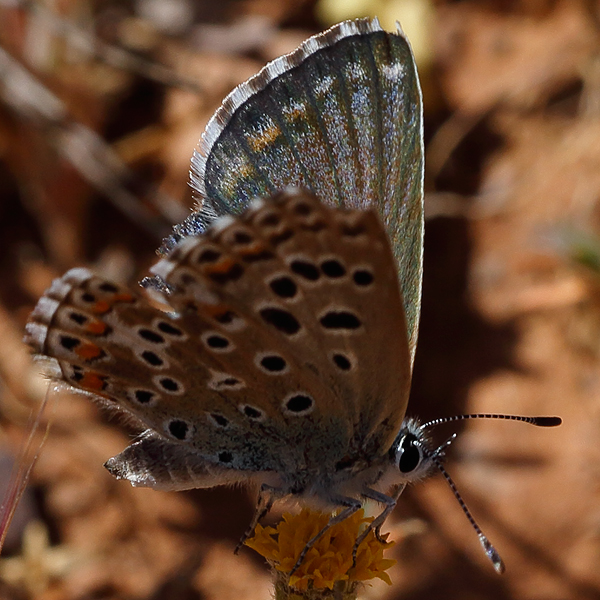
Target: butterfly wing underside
341,116
287,347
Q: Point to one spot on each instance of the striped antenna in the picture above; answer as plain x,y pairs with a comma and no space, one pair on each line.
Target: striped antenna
436,457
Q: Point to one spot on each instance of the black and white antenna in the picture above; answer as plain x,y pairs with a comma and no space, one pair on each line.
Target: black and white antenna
437,455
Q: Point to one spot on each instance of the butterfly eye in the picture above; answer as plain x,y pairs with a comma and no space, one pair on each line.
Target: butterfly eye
409,455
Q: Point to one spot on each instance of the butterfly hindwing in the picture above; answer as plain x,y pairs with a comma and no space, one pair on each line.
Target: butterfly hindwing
283,318
319,285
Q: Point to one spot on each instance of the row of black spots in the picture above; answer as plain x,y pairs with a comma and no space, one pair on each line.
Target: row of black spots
218,420
78,318
225,382
108,287
305,269
309,271
225,457
363,278
169,329
333,268
284,287
184,278
238,237
149,335
205,255
76,373
88,351
216,342
267,220
352,227
302,208
283,320
252,412
298,405
97,286
340,320
230,320
143,396
282,235
168,384
271,363
153,359
94,326
341,361
179,429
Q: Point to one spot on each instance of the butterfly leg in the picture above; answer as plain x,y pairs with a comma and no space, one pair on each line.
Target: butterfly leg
375,525
351,505
266,498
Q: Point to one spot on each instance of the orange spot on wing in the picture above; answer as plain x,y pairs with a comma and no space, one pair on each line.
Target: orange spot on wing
266,138
253,250
101,307
88,350
92,381
214,310
96,327
124,297
223,266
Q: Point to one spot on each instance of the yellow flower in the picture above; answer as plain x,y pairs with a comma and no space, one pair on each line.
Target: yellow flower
329,560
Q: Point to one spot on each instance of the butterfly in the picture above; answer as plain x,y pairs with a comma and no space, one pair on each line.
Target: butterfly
282,351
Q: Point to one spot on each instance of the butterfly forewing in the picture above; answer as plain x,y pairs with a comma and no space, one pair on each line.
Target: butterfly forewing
341,116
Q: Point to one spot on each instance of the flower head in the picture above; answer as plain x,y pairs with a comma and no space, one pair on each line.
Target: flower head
329,560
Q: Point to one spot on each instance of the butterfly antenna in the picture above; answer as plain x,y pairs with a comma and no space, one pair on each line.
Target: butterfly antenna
537,421
490,551
436,457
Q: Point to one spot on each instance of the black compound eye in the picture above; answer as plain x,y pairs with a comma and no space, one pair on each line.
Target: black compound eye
410,455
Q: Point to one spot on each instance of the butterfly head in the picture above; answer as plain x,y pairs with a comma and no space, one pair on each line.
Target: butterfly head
411,453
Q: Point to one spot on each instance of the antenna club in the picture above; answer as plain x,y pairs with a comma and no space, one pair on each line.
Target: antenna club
492,554
538,421
546,421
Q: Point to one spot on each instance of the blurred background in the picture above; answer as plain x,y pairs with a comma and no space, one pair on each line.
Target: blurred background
101,105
